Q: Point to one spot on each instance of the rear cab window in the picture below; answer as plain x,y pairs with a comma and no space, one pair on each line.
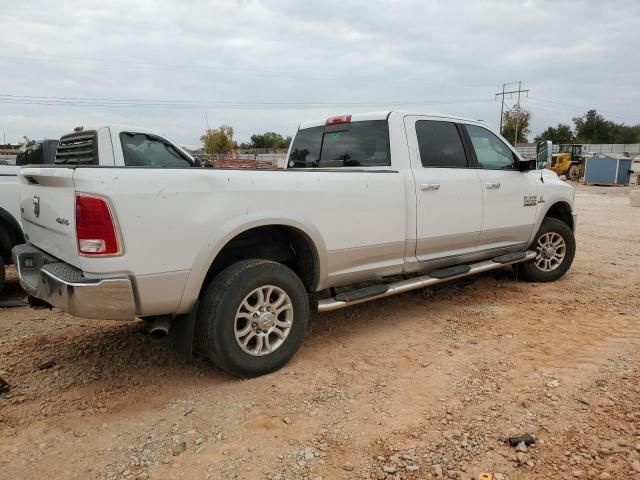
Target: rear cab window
353,144
142,150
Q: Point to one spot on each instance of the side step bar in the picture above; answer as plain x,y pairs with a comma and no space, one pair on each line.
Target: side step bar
444,275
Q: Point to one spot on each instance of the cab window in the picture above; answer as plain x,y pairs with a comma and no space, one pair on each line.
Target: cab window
491,152
440,144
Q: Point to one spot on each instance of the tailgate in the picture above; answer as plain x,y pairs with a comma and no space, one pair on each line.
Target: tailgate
47,201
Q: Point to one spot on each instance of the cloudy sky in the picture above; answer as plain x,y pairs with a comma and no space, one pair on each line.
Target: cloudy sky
268,65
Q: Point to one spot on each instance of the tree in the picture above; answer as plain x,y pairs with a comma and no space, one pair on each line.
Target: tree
593,128
516,119
269,140
219,140
561,134
621,133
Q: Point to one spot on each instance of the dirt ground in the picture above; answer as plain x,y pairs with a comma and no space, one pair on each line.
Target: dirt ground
418,386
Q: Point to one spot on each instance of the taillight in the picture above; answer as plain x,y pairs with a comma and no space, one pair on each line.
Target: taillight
338,120
95,229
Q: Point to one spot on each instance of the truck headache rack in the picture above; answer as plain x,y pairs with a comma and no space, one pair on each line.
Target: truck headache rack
78,148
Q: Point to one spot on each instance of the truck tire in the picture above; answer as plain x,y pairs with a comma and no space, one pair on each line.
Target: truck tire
573,173
2,274
252,317
556,247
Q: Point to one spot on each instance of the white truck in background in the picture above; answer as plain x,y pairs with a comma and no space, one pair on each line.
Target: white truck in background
41,152
370,205
10,218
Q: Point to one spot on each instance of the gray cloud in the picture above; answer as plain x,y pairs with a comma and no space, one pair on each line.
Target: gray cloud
571,55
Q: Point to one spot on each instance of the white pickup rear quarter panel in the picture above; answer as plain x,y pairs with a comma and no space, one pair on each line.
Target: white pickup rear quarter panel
176,220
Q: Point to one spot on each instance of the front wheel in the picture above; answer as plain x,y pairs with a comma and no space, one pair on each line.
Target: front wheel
253,317
556,247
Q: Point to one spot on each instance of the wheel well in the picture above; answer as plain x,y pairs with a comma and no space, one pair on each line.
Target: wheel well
279,243
10,235
561,211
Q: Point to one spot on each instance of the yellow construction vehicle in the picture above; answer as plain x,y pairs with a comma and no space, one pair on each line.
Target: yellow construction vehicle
569,161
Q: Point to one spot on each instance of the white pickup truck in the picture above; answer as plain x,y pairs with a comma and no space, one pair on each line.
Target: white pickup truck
10,227
370,205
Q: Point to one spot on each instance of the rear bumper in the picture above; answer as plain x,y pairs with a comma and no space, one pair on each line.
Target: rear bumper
65,287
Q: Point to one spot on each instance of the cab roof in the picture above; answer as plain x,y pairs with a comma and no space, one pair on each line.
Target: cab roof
383,115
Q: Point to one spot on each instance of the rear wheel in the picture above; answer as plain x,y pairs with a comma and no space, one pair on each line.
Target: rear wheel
253,317
556,247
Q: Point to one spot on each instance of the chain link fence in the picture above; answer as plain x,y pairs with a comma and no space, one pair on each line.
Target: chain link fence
529,149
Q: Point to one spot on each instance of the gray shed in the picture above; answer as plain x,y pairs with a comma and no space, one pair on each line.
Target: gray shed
608,169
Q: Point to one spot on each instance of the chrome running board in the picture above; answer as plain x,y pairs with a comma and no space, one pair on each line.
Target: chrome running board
330,304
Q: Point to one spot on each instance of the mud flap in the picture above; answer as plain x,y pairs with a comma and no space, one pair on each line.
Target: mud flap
182,333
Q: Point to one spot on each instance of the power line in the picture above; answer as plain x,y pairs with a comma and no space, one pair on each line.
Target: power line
190,104
224,102
567,107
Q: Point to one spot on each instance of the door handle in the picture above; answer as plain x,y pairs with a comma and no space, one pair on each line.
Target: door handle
429,186
492,185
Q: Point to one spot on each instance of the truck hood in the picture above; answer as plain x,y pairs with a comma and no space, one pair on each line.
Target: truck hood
546,173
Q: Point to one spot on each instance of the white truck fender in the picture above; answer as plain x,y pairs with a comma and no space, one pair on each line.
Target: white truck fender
238,225
543,209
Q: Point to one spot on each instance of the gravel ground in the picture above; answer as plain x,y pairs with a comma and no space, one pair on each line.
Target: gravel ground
424,385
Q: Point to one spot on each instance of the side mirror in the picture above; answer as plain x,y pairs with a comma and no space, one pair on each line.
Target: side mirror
543,154
526,165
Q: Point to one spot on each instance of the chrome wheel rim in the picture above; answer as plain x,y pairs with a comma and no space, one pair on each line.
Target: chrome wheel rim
263,320
551,251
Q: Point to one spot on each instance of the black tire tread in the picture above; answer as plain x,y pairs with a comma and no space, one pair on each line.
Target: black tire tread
209,344
2,274
213,294
530,272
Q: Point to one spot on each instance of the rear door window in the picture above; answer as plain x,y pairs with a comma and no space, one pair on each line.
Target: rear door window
141,150
440,144
357,144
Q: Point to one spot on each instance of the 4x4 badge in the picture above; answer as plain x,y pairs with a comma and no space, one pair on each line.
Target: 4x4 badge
36,205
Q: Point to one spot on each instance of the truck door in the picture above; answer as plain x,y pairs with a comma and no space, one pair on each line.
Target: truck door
510,196
448,191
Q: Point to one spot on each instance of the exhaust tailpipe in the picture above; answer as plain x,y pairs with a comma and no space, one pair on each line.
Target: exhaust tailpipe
160,327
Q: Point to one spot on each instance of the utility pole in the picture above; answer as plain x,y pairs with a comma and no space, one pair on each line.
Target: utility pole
515,138
501,107
510,93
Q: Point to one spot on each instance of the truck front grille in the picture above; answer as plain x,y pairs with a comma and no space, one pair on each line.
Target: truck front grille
78,148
